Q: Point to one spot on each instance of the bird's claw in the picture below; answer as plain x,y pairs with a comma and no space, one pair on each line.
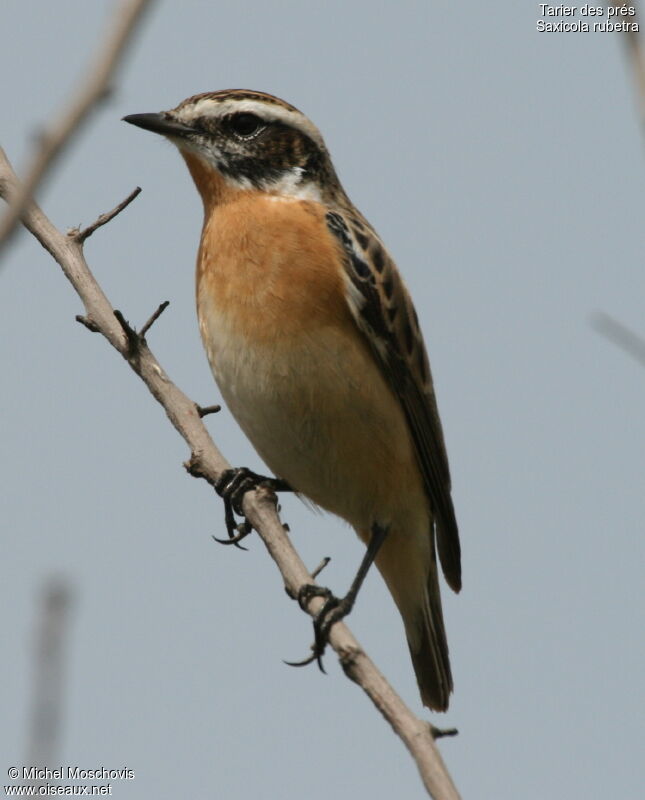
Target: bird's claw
243,529
231,486
333,610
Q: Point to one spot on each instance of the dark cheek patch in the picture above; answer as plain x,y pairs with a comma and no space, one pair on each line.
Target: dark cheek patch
266,157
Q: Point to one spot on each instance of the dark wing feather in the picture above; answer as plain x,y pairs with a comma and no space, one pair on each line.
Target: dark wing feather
384,313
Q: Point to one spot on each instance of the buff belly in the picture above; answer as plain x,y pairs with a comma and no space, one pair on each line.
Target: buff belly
321,416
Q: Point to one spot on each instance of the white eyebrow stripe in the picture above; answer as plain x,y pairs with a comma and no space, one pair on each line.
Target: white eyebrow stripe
209,107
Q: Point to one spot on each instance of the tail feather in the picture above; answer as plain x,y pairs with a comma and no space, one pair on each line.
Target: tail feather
409,567
428,645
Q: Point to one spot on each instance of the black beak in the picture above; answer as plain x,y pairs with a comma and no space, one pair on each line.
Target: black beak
159,123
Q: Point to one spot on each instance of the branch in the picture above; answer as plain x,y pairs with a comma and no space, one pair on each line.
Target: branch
49,668
207,462
620,335
635,54
94,89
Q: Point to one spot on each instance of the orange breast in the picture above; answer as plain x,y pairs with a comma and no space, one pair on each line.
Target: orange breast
270,267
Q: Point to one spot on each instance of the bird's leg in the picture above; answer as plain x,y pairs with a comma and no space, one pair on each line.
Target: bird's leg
335,608
231,486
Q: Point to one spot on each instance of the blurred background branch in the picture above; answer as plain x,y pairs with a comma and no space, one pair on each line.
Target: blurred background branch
635,56
94,88
49,661
620,335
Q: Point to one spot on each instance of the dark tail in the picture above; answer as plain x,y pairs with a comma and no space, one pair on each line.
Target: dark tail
414,585
428,645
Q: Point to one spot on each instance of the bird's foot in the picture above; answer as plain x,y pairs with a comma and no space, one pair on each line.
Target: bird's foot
333,610
231,486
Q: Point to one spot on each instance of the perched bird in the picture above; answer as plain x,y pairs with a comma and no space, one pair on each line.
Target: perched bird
315,345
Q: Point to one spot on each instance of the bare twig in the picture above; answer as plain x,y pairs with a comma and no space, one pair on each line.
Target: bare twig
259,506
131,336
441,733
204,411
320,567
87,322
92,91
620,335
103,219
634,48
153,318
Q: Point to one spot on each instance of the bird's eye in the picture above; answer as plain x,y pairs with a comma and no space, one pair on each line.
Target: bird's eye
245,124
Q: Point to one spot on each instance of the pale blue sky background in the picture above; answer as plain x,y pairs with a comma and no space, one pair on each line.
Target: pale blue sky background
504,170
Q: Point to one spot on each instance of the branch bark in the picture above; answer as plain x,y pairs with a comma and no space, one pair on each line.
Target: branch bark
206,461
94,88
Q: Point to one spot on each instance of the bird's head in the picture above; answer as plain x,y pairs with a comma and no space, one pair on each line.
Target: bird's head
250,141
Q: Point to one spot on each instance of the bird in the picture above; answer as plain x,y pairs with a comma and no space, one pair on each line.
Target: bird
315,345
